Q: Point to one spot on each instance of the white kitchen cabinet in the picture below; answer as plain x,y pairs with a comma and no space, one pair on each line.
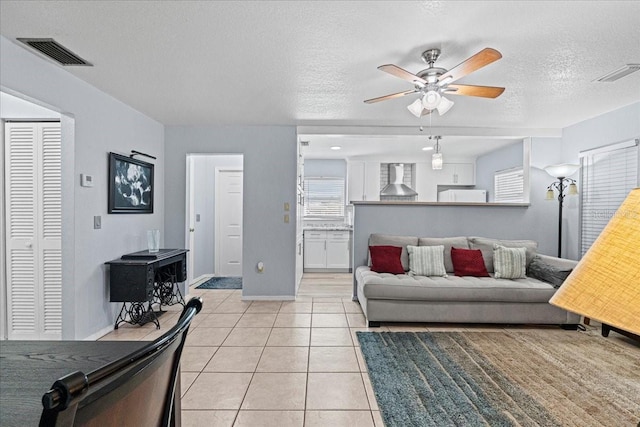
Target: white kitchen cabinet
326,250
315,249
338,249
355,181
363,181
457,174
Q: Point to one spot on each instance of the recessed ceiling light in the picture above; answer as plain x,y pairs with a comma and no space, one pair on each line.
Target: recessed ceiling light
427,148
336,147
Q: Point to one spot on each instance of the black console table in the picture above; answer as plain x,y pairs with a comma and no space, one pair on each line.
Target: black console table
139,279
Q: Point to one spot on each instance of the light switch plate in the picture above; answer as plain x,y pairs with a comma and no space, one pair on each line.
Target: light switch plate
86,180
97,222
286,207
286,219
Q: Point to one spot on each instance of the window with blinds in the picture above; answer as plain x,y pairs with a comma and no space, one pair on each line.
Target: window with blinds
608,174
323,197
508,185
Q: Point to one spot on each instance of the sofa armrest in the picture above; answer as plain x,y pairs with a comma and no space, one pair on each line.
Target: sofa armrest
559,263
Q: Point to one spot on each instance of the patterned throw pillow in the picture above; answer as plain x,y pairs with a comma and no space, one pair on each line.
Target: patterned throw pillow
426,261
509,263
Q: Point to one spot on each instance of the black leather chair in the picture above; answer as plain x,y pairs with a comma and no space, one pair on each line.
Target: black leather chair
137,390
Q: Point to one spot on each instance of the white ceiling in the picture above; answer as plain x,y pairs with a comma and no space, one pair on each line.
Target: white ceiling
313,63
393,148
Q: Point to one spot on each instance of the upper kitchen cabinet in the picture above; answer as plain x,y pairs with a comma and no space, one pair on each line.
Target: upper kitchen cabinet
457,174
363,181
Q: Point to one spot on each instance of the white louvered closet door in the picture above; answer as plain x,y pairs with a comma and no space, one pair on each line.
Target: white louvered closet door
33,230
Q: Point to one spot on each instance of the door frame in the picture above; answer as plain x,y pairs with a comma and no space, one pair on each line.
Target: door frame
218,170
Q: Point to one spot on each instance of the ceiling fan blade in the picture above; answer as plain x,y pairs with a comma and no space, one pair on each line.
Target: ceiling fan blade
485,57
394,70
393,95
470,90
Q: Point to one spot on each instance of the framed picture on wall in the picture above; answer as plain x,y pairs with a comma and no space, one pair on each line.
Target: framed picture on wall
130,185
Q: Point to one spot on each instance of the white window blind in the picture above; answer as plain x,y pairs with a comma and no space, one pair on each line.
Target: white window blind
508,185
608,174
323,197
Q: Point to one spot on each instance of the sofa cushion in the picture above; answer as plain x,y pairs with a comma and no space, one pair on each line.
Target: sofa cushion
548,273
468,262
386,259
448,243
509,263
426,260
486,246
451,288
392,240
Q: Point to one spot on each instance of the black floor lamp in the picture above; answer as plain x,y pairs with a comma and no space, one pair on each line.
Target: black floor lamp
561,172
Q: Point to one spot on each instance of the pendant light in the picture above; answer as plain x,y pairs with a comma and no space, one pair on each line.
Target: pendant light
436,157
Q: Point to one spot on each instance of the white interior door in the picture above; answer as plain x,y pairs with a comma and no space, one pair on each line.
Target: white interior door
228,207
33,230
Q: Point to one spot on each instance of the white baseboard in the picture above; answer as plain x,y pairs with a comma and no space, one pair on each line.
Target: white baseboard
199,279
99,334
269,298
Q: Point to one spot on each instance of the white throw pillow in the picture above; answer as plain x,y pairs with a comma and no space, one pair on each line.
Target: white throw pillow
509,263
426,261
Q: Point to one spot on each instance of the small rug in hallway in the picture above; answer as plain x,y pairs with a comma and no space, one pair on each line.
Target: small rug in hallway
503,378
222,283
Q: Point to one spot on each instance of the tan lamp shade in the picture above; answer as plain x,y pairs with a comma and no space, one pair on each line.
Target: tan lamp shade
605,285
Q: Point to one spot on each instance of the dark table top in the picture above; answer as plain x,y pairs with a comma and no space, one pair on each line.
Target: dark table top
148,258
29,368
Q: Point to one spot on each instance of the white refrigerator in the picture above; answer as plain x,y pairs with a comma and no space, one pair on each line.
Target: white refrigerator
464,196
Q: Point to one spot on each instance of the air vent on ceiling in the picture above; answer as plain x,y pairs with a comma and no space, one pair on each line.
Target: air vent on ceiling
55,51
619,73
304,143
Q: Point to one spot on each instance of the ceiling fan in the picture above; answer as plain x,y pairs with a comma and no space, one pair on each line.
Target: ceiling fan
434,82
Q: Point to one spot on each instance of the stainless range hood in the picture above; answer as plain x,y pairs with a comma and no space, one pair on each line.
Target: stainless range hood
396,186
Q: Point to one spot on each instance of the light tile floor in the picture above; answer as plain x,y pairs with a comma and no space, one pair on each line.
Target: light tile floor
265,363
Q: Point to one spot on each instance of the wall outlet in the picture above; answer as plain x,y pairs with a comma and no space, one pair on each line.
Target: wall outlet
97,222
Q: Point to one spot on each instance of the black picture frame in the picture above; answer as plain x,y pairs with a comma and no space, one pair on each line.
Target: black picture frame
130,185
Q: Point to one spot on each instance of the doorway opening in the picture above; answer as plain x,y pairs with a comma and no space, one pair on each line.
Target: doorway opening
214,215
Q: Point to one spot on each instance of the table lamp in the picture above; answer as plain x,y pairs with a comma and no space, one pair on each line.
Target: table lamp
605,285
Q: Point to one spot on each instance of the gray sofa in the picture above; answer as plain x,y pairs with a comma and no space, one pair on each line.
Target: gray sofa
388,297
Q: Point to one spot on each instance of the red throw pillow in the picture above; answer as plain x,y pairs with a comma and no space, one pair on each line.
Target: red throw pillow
386,259
468,262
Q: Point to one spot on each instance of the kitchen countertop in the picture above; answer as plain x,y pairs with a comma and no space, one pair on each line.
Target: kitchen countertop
327,228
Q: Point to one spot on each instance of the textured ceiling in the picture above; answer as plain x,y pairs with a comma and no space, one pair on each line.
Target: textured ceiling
313,63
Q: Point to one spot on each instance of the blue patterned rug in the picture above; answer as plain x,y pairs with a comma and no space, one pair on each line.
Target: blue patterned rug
520,378
222,283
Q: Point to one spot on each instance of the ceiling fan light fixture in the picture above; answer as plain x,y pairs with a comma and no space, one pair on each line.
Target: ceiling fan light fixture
431,100
444,106
415,108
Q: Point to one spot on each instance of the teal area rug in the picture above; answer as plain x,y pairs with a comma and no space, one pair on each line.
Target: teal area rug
519,378
222,283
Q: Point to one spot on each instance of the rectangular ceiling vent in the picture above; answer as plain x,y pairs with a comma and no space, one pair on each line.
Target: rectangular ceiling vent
54,50
304,143
619,73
